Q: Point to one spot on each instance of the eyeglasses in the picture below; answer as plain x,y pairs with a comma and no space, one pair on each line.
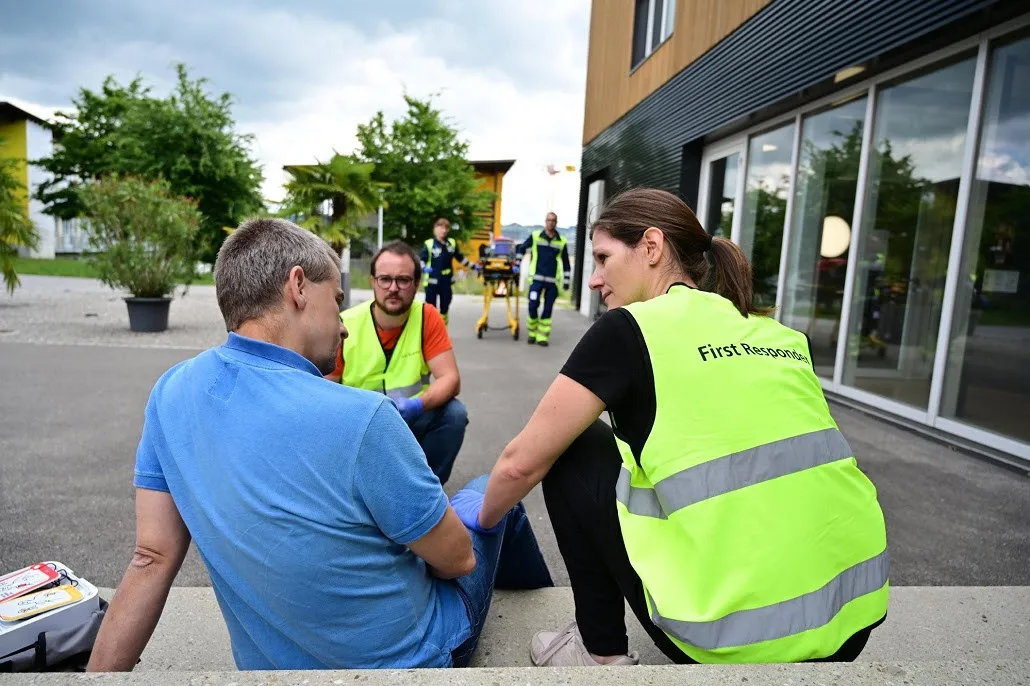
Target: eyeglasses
403,282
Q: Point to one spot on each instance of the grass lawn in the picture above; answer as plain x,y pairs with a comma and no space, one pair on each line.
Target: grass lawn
63,266
72,266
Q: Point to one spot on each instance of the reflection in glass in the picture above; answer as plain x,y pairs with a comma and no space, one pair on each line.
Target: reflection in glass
987,380
824,202
765,208
722,194
909,216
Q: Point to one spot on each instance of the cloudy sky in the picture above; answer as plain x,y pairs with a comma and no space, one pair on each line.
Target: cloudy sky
510,75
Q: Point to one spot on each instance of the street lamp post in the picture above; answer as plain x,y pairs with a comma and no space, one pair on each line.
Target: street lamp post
379,244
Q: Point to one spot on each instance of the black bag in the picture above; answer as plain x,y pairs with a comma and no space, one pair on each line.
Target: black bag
58,650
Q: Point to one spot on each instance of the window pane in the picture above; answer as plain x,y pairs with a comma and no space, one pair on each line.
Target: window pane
987,380
909,216
639,49
824,201
765,208
670,18
722,194
656,27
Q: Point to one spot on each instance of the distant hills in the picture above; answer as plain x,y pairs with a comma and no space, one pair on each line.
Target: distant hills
520,232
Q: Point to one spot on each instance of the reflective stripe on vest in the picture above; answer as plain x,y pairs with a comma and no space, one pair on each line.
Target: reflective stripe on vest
755,535
451,246
803,613
557,242
733,472
406,375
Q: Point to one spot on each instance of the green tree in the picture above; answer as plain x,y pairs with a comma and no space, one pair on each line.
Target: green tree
187,138
16,229
329,198
424,161
141,235
770,207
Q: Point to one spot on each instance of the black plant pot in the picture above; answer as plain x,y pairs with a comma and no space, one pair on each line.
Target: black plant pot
148,314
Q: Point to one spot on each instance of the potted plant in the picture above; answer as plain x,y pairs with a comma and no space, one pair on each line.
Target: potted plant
142,239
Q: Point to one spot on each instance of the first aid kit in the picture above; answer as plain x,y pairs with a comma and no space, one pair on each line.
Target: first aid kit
47,615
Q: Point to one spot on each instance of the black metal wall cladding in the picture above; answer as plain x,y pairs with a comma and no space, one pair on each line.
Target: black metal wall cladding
787,46
775,57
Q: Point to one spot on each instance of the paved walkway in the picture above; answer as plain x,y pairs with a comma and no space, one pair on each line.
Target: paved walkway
74,381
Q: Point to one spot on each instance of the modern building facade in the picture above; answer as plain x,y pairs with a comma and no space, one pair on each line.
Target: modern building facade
873,161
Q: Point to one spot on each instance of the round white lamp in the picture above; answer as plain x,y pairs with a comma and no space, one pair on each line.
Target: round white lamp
836,237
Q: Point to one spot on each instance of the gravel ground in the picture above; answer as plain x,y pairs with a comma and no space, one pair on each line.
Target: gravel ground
57,310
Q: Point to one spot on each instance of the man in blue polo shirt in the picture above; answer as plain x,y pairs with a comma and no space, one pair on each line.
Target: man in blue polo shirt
328,540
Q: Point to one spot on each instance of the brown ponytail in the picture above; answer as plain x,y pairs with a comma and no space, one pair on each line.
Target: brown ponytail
628,215
731,273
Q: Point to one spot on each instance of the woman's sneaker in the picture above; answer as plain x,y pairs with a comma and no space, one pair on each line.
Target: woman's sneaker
565,649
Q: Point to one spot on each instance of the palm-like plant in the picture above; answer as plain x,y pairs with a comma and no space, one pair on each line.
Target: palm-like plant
16,229
328,198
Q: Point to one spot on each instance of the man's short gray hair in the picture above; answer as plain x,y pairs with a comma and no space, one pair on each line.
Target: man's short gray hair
255,261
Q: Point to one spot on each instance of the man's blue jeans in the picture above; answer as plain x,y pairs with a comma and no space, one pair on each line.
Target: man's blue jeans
509,559
440,432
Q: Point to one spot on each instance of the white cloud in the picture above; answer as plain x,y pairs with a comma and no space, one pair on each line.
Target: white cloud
499,120
317,78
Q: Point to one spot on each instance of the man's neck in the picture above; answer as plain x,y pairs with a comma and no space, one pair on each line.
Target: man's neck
387,321
271,331
550,233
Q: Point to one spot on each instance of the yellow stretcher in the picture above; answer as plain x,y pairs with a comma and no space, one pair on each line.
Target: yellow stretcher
499,272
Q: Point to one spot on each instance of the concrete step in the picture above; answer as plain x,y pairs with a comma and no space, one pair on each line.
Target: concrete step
989,625
954,673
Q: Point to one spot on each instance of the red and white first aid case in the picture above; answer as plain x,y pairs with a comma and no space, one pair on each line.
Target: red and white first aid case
31,603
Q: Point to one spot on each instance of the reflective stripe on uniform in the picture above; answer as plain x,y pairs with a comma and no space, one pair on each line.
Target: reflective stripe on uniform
733,472
786,618
545,279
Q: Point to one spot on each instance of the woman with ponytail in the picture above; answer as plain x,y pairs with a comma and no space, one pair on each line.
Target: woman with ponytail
722,502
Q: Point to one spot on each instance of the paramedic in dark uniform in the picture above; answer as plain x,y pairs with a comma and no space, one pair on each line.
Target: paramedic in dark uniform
436,256
548,267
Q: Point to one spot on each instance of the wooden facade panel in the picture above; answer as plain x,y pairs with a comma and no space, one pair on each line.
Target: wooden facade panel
612,89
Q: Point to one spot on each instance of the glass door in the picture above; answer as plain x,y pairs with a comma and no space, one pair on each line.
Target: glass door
911,192
820,236
722,172
764,210
986,383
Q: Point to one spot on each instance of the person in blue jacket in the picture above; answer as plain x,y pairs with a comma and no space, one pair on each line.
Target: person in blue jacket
436,256
548,267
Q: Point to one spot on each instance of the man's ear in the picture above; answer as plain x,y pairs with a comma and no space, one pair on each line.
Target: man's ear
296,291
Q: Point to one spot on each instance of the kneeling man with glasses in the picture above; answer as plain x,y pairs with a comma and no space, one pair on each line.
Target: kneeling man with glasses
401,348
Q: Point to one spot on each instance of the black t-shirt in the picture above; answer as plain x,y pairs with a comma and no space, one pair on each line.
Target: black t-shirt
612,362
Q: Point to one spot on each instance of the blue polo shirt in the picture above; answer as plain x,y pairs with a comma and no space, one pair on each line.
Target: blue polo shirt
300,495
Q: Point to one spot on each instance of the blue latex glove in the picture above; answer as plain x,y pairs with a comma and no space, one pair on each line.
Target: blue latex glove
410,408
467,504
427,269
515,269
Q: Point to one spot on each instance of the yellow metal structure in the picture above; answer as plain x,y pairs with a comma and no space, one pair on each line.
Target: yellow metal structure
500,278
490,174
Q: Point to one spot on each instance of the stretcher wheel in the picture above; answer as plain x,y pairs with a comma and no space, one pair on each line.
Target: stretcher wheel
515,334
479,333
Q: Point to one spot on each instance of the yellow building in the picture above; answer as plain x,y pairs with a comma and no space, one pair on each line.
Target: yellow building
491,176
25,136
